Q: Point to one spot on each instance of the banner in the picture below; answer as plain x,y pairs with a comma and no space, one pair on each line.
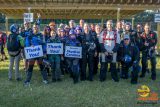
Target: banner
28,17
74,52
157,18
54,48
33,52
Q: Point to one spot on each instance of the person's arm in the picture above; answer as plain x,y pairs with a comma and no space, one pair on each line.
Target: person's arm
153,42
117,44
21,40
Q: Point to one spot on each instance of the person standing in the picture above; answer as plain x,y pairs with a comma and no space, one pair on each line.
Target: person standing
14,44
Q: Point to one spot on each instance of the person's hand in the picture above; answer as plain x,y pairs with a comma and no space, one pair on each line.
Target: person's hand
95,54
106,53
146,44
62,58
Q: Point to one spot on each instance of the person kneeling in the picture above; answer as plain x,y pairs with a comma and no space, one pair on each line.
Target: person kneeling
129,58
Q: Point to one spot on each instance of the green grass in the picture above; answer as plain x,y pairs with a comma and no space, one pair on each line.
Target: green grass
67,94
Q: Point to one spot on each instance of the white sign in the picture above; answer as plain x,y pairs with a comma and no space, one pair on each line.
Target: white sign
157,17
54,48
33,52
74,52
28,17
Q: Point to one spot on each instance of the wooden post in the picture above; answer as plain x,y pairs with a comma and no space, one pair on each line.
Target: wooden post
118,14
158,34
132,22
29,11
6,25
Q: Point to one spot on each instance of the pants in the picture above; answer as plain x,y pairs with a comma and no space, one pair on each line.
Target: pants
30,69
96,62
55,68
144,64
87,59
134,72
15,59
73,64
104,69
64,66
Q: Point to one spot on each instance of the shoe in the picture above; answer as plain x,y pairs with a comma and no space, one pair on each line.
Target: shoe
59,80
115,80
48,74
5,58
10,79
26,84
53,80
153,78
45,81
142,76
19,79
2,59
133,82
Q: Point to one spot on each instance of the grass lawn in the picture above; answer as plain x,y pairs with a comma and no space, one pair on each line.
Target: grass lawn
67,94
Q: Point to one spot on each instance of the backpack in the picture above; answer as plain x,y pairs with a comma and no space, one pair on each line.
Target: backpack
13,43
1,38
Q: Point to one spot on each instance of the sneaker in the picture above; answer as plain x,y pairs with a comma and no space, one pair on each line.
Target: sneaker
26,84
5,58
19,79
142,76
45,81
153,78
53,80
10,79
59,80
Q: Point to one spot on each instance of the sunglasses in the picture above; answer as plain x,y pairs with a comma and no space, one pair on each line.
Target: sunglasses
126,39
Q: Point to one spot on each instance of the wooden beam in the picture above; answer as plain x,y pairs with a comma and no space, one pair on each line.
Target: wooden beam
84,6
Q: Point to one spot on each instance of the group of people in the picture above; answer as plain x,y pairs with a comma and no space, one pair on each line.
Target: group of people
116,49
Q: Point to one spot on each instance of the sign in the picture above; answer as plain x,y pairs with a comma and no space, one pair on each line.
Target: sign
28,17
33,52
157,17
74,52
146,96
54,48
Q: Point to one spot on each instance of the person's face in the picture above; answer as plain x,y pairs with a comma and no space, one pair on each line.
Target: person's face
86,28
139,28
126,41
52,27
146,29
119,25
71,24
109,25
52,33
62,33
35,29
123,26
98,29
81,23
92,27
26,26
128,27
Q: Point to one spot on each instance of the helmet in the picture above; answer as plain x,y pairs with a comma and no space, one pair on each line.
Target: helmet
14,28
127,59
71,21
62,30
78,28
47,28
72,32
52,24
